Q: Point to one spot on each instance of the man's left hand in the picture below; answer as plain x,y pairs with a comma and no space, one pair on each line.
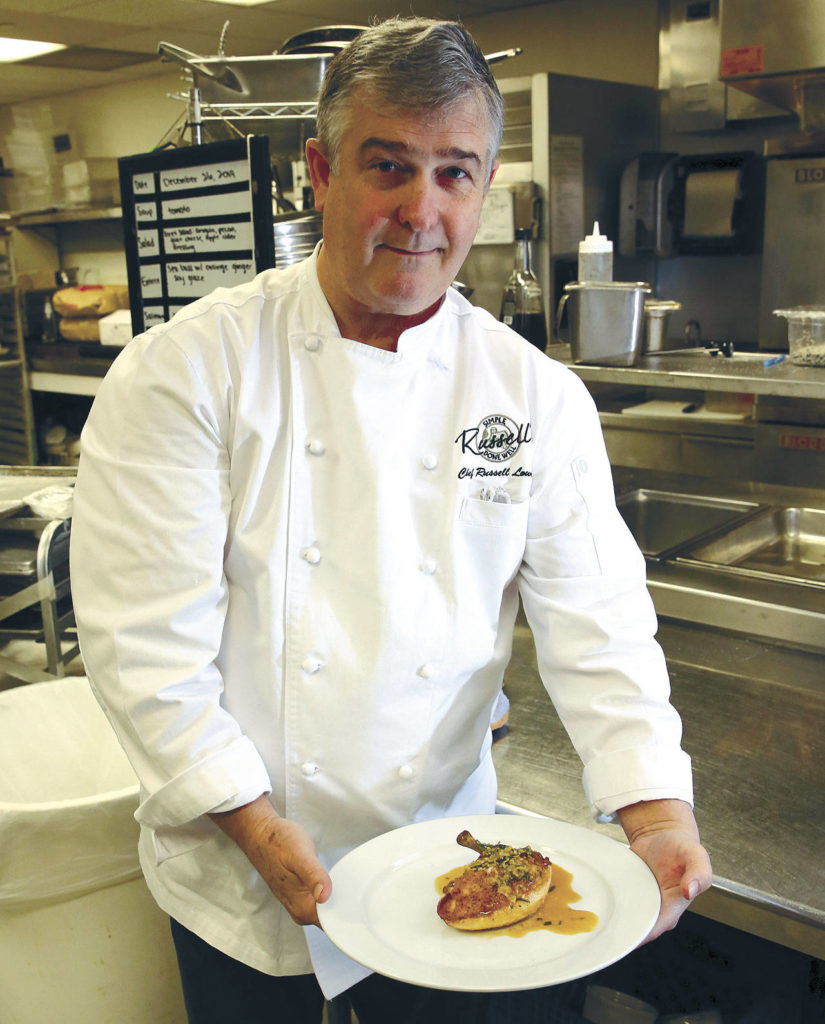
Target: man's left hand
665,835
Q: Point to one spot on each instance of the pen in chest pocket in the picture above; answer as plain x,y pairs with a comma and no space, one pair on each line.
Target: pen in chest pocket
499,494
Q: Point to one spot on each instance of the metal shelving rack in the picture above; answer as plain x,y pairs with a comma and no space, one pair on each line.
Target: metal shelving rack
17,437
53,218
257,111
201,111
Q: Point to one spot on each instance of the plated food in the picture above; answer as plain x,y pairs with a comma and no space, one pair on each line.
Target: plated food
504,885
602,901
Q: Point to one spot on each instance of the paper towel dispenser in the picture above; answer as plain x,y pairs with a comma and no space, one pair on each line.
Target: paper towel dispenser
645,227
702,205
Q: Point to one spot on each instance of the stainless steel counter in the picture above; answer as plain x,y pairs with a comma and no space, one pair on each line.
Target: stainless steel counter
754,725
744,373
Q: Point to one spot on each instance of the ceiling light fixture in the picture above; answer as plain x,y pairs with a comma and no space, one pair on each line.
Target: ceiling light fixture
23,49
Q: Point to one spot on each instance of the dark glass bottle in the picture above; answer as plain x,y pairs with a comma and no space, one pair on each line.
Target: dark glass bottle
522,306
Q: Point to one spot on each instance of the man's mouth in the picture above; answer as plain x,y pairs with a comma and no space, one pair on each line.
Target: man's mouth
410,252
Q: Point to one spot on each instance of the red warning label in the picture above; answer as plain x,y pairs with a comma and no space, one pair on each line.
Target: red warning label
803,442
742,60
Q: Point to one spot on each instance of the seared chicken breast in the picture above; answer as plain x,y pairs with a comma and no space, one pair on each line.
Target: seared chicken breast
505,885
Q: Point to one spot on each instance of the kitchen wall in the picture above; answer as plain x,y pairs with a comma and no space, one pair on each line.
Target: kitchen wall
113,121
616,40
721,292
590,38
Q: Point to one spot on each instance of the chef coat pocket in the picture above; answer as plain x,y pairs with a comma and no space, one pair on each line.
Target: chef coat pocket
492,535
495,514
489,539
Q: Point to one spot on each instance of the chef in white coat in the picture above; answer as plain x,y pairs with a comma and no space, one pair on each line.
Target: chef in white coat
305,511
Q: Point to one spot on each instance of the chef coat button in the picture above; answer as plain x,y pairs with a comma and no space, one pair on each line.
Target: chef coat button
429,461
406,771
312,344
581,466
316,447
311,555
428,566
311,665
309,769
426,671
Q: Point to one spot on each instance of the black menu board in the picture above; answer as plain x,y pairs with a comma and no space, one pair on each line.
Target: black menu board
194,219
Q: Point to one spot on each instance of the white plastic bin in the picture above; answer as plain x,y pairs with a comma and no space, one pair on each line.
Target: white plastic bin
81,939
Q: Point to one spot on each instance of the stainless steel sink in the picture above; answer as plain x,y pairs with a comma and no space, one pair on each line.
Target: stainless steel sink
751,567
778,543
664,522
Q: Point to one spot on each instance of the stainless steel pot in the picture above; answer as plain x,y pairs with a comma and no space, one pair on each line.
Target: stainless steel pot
657,314
605,320
296,235
333,36
277,79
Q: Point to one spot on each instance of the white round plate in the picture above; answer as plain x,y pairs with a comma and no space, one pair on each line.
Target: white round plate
382,912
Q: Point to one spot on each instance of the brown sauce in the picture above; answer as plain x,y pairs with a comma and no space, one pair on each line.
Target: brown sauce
554,915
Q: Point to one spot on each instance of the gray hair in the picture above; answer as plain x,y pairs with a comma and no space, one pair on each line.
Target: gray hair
408,64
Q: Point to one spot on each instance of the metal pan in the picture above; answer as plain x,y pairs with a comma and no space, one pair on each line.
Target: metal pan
784,543
666,522
215,68
281,78
228,81
338,34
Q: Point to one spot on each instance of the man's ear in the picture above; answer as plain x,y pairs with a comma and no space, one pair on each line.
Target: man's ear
319,171
492,175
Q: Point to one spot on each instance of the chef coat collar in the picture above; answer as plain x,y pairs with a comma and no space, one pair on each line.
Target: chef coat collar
412,343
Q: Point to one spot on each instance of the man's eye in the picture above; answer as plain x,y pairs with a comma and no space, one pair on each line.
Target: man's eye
456,173
385,166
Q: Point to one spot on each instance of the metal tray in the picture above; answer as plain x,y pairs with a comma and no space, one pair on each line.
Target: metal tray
16,557
778,543
665,522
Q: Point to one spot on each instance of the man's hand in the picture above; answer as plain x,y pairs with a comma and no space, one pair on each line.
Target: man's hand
664,834
283,854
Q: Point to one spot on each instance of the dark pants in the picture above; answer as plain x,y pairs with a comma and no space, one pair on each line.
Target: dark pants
218,990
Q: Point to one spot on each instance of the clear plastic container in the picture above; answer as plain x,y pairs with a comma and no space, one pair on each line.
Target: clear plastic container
806,334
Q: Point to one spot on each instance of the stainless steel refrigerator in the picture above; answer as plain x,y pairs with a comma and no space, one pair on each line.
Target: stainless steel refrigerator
793,258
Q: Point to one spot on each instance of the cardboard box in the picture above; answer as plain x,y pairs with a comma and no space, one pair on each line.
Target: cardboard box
91,181
116,328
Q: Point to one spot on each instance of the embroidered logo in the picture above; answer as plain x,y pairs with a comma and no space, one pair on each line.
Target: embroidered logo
497,438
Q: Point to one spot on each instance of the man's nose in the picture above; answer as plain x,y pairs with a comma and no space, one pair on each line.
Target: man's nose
418,209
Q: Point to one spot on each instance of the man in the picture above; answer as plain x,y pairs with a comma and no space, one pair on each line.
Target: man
305,510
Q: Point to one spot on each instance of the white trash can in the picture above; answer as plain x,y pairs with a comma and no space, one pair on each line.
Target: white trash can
81,939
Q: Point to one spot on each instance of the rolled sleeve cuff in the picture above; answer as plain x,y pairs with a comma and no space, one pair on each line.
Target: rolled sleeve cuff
212,783
625,777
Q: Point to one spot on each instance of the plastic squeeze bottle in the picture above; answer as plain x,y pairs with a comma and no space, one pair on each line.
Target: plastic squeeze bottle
596,257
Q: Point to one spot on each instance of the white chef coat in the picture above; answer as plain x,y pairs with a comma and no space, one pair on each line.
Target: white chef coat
296,562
